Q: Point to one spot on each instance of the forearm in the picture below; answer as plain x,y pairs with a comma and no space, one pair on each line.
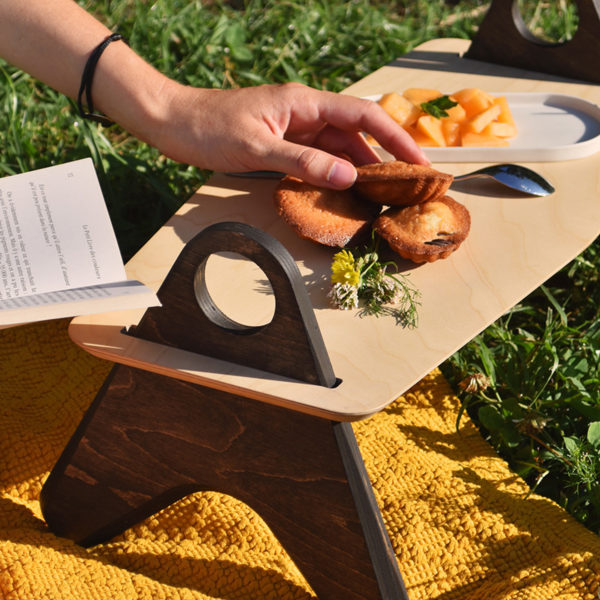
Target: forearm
52,40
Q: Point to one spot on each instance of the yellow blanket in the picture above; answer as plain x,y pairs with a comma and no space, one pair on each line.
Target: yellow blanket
457,517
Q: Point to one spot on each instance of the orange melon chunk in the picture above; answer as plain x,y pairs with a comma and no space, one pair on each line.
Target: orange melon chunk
419,95
400,108
432,128
470,138
502,130
505,115
456,113
477,123
473,100
451,131
421,138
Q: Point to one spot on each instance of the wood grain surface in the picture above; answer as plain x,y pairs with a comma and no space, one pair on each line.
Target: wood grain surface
148,440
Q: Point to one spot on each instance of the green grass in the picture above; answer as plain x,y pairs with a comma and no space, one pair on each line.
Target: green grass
541,409
552,21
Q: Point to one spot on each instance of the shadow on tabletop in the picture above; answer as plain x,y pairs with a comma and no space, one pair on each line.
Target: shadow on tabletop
451,61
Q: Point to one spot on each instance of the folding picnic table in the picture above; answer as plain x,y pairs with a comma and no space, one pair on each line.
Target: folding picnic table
262,410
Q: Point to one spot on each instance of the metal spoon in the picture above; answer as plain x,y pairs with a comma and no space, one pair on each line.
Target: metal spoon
515,177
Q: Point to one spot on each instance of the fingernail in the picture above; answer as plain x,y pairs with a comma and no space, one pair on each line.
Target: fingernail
341,175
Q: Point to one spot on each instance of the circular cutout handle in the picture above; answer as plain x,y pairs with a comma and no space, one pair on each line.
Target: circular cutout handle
290,345
234,292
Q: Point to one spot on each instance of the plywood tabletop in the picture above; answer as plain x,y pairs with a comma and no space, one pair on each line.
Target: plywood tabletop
515,244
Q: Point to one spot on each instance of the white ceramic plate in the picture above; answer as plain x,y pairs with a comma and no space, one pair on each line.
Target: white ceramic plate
551,127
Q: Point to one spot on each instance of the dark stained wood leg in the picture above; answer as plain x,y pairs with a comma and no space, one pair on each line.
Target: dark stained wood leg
148,440
504,38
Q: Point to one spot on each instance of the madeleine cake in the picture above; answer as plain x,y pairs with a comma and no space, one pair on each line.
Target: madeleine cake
426,231
329,217
397,183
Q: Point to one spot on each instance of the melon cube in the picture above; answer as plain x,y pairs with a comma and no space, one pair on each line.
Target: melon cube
504,130
419,137
473,100
451,131
419,95
432,128
456,113
402,110
505,115
470,138
479,122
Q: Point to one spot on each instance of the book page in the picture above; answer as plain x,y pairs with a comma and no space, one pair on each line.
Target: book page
55,232
122,295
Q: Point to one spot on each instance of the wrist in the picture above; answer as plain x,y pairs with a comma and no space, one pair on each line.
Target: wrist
131,92
185,120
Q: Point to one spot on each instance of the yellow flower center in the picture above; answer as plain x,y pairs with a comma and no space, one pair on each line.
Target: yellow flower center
343,269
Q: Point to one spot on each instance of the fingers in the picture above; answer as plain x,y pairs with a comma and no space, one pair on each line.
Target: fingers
351,114
350,144
337,123
397,141
313,165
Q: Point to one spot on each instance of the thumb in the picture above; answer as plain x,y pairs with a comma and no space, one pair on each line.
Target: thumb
313,165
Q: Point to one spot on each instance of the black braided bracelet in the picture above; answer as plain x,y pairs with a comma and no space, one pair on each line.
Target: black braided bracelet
87,78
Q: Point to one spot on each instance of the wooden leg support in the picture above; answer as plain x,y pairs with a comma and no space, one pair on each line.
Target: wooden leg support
148,440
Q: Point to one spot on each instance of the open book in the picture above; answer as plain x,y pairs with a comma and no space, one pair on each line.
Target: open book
59,256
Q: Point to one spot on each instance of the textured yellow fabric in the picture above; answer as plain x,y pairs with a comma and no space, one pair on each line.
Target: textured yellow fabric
457,517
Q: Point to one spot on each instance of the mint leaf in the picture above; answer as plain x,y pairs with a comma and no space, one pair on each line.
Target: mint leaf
437,107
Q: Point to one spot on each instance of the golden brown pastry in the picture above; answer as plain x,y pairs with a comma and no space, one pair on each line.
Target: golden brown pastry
397,183
329,217
426,231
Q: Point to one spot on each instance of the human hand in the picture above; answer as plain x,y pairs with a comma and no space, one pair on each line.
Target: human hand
289,128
